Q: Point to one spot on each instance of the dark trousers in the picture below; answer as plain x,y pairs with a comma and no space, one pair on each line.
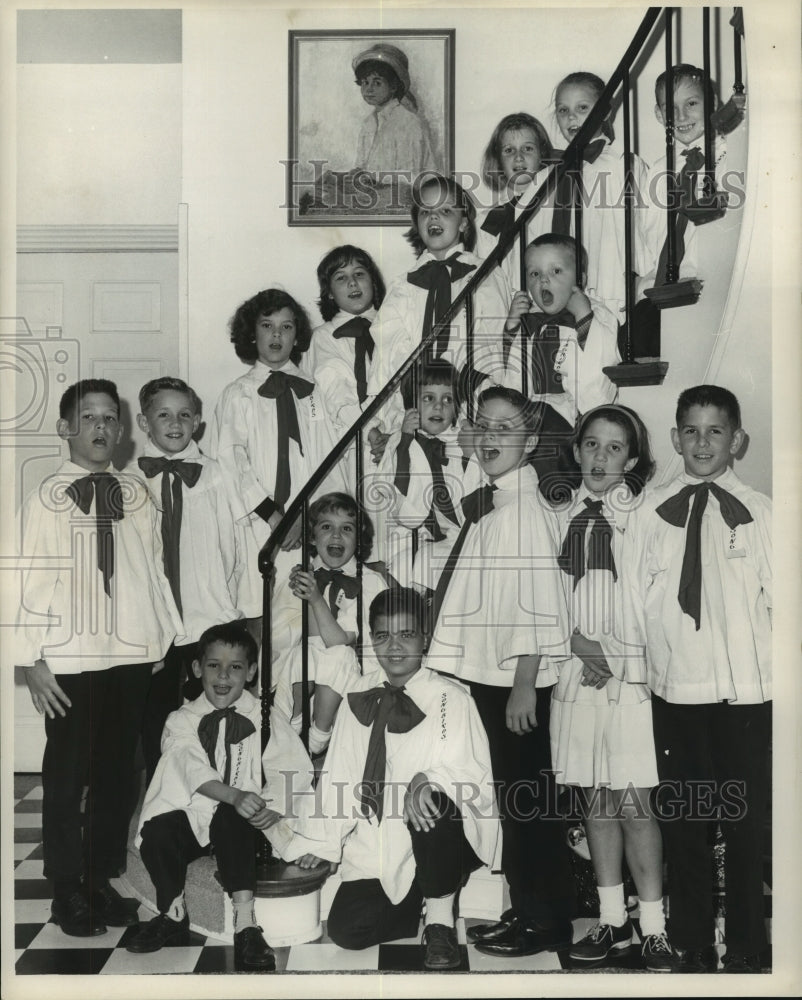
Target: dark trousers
713,763
361,914
169,845
535,857
94,744
168,688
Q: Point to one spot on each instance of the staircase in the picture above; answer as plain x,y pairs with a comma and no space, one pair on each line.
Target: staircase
684,317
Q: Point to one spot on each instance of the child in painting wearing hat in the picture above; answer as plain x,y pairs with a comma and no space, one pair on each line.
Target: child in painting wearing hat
393,138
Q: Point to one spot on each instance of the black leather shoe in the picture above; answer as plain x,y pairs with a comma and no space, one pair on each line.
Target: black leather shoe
489,932
112,908
156,933
735,963
442,949
695,961
251,952
74,917
522,939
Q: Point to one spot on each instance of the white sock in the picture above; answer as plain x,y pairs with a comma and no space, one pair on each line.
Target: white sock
318,739
440,910
178,908
244,915
611,904
652,917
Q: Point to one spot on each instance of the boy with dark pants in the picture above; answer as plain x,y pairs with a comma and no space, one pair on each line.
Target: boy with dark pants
207,791
95,613
406,803
697,568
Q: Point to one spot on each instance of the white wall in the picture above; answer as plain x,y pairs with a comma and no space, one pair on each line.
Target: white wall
98,144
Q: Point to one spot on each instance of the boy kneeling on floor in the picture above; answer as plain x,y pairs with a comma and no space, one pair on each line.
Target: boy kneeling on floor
207,789
406,802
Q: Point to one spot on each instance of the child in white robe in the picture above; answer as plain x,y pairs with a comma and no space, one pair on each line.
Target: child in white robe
351,290
95,613
443,235
513,168
270,430
689,132
697,582
421,478
558,338
333,590
406,804
601,719
603,182
199,545
207,790
501,625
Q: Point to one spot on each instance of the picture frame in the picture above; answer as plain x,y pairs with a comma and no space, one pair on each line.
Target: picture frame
352,160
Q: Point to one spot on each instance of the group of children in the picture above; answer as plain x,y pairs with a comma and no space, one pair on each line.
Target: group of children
538,618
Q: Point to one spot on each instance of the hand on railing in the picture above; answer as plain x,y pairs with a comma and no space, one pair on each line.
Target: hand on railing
520,305
378,442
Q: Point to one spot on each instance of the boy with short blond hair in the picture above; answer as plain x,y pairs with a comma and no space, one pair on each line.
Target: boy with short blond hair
198,540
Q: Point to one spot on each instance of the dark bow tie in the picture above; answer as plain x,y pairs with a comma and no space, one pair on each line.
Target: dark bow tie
675,511
474,507
435,451
500,218
238,728
384,708
436,276
281,387
567,185
358,329
349,585
172,511
694,158
571,559
189,472
683,195
108,495
540,342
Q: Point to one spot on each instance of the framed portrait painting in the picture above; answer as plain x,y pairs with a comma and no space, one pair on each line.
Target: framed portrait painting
369,112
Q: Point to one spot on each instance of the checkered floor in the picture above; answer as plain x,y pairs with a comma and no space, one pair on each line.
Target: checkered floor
41,948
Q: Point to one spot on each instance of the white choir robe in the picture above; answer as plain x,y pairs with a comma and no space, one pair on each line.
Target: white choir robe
729,657
184,766
65,616
405,513
505,598
539,223
603,225
398,329
449,746
326,665
654,229
208,557
331,360
243,439
602,736
583,380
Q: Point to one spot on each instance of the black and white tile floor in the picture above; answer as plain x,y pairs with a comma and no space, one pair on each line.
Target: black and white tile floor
42,949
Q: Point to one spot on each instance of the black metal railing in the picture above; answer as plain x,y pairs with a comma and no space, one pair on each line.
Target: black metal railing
571,161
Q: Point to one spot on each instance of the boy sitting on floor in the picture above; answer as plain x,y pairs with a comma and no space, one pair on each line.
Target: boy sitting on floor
207,789
406,803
